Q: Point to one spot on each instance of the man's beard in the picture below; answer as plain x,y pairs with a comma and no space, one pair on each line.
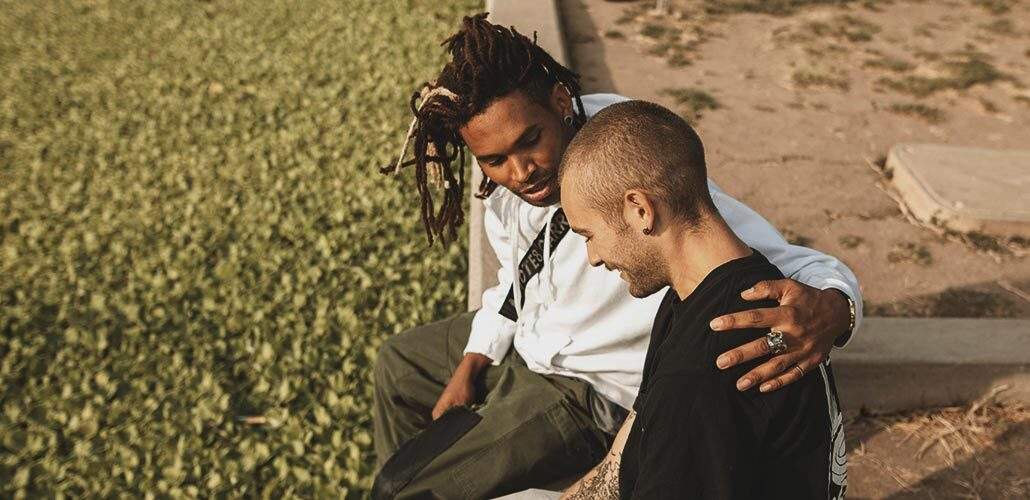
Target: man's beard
643,268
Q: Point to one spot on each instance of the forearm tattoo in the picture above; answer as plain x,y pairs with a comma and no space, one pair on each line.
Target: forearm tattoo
603,485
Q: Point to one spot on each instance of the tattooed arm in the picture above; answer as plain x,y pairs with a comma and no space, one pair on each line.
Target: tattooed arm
602,482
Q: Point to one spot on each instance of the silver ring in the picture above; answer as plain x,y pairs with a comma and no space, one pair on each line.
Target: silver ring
774,339
800,370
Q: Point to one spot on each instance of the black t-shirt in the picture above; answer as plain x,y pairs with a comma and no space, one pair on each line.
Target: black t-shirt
697,436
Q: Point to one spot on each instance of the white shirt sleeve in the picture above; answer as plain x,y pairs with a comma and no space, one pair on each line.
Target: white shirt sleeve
802,264
492,334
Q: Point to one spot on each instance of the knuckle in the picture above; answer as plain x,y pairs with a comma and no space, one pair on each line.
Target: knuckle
754,316
790,314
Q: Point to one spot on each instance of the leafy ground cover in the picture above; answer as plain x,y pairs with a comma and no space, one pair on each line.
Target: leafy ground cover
194,239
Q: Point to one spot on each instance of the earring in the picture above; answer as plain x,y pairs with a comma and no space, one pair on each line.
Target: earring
568,120
647,231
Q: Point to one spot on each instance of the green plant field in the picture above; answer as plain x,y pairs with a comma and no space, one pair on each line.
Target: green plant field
193,229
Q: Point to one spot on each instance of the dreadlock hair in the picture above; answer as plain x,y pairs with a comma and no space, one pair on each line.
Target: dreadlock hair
487,62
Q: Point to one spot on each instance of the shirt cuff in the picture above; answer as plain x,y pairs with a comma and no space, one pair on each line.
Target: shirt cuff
493,345
844,339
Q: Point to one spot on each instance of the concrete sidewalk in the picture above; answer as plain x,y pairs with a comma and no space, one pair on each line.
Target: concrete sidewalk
902,363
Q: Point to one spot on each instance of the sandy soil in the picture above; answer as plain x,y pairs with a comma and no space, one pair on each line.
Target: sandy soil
971,452
796,110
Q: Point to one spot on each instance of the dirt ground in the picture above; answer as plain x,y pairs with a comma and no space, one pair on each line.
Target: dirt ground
797,109
972,452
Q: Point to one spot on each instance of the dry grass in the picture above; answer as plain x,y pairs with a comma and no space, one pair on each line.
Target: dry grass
995,7
842,28
953,302
850,241
963,70
777,7
796,238
909,252
693,102
806,79
975,446
655,29
929,114
889,63
954,433
1003,27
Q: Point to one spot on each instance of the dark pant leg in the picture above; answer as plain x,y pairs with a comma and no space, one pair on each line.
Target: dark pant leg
535,430
410,373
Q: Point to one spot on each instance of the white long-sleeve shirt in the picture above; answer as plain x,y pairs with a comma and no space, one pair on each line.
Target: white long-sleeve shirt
580,321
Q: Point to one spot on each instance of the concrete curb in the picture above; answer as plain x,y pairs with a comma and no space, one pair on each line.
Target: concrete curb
900,363
892,364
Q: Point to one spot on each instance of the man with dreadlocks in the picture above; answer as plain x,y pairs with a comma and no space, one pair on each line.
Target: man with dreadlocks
550,407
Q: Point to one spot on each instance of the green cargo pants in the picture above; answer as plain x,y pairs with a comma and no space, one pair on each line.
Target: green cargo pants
536,432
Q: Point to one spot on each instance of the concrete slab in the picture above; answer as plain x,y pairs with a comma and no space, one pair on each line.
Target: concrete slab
964,189
901,363
527,16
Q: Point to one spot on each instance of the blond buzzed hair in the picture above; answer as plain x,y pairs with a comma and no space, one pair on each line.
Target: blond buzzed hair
640,145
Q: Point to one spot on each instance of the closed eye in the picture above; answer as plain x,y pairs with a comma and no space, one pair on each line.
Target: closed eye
531,140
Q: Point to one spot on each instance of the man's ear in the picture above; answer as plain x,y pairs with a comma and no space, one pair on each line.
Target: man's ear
561,99
639,211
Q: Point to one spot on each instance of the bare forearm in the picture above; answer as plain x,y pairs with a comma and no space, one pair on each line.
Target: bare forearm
471,365
460,389
602,482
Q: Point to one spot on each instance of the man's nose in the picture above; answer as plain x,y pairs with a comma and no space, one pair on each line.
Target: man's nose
521,169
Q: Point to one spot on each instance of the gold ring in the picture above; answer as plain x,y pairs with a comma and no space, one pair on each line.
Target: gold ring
800,370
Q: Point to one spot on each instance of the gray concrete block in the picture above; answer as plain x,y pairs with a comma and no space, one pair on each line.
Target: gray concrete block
900,363
964,189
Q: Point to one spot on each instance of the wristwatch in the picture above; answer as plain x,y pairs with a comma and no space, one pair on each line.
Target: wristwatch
843,338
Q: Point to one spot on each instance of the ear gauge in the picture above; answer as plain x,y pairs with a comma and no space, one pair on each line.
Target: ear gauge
565,88
569,120
647,230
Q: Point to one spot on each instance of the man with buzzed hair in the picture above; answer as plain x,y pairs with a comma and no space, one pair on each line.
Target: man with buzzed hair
633,183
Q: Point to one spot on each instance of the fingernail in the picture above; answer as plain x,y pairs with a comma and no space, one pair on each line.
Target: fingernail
749,291
716,324
743,384
765,388
722,362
